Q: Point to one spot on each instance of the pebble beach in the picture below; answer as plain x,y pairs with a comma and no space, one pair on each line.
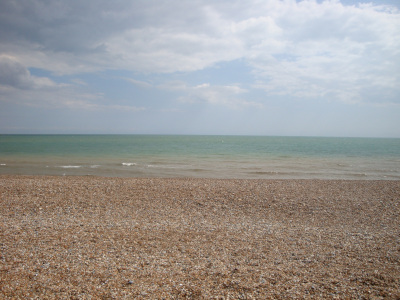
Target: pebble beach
87,237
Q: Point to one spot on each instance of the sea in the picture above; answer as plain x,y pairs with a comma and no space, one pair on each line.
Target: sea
197,156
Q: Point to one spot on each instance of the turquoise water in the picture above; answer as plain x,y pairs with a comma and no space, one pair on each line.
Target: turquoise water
201,156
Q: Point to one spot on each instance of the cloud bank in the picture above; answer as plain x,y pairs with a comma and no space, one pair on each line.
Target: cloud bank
308,49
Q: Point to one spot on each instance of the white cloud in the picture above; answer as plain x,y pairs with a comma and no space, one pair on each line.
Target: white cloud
139,83
227,95
17,85
65,97
161,50
331,50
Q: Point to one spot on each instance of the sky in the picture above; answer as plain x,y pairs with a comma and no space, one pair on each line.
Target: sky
254,67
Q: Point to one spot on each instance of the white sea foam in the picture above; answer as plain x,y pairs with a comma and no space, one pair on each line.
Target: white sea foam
129,164
3,164
94,166
70,167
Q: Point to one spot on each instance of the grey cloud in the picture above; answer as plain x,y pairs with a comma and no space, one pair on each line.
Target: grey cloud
14,74
67,26
82,26
89,35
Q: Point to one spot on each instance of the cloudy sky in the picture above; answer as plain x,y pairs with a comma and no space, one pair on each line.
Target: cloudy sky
258,67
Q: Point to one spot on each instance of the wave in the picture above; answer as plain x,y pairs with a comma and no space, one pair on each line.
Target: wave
128,164
70,167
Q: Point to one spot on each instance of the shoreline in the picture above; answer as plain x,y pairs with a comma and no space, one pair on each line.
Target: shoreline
117,237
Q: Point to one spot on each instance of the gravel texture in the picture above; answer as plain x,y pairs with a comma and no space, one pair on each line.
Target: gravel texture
132,238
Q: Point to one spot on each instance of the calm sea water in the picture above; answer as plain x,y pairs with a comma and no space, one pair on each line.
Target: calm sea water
201,156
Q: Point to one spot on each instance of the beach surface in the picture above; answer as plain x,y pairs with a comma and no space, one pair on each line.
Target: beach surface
133,238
